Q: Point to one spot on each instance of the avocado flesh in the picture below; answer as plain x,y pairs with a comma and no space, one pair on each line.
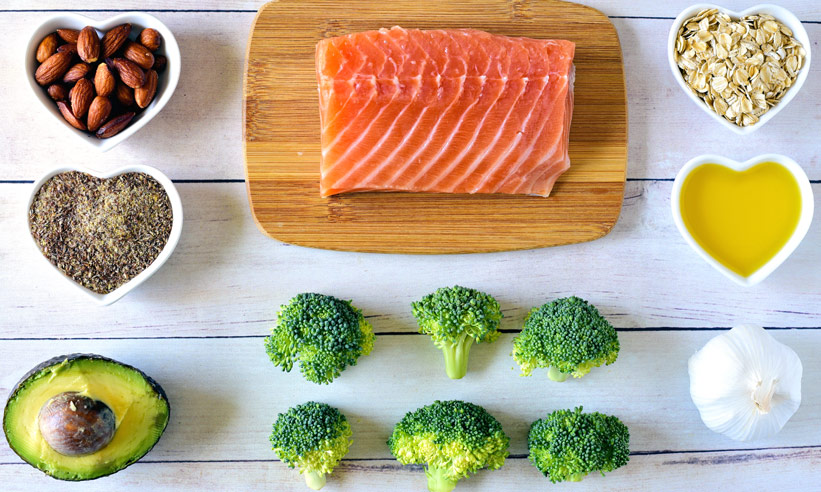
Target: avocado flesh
141,414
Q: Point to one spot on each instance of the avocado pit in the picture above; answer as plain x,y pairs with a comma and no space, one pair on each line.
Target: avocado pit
76,425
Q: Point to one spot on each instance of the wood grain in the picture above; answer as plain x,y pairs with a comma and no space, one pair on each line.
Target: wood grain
666,128
784,470
806,10
282,137
225,394
641,275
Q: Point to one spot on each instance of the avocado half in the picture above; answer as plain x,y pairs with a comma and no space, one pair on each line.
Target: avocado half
139,404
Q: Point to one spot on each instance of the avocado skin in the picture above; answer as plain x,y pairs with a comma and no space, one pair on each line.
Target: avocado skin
70,358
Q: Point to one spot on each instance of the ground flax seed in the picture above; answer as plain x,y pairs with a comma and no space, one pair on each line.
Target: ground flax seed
101,232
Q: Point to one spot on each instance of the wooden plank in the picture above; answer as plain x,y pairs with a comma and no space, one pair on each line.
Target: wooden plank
804,9
282,136
225,393
667,129
199,133
643,274
783,470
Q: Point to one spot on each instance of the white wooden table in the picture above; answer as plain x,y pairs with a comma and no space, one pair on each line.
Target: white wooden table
197,326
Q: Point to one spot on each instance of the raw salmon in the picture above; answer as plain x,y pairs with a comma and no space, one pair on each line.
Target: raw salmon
454,111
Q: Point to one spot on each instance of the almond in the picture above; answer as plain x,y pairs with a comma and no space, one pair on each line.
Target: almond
57,92
124,94
104,81
48,46
53,68
69,116
150,38
76,73
114,125
131,74
98,112
143,95
160,62
81,96
68,48
68,35
139,54
113,39
88,45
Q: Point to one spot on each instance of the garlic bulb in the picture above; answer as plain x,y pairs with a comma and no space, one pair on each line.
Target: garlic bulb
745,383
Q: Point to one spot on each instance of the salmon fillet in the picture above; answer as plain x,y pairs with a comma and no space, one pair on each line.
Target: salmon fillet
452,111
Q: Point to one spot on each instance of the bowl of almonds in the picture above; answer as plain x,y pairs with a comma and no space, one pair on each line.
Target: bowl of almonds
742,68
104,80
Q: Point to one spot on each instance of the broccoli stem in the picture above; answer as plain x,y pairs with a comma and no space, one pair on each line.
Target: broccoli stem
315,479
456,356
558,376
577,477
438,480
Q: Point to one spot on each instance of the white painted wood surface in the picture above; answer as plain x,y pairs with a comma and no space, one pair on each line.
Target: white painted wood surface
197,325
804,9
199,133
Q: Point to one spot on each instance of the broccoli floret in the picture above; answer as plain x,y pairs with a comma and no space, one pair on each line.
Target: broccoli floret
567,445
455,317
314,437
567,335
323,333
452,438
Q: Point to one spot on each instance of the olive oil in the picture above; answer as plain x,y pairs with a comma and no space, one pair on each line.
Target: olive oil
741,219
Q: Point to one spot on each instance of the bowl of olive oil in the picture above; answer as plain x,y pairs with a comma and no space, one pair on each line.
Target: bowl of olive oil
744,218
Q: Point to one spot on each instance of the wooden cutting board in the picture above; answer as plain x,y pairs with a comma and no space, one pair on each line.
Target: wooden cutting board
282,147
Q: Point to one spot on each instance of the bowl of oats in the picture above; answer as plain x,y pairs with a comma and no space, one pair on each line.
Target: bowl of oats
742,68
105,233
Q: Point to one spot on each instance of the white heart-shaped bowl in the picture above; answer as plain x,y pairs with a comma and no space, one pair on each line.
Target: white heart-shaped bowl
781,14
167,80
807,205
173,238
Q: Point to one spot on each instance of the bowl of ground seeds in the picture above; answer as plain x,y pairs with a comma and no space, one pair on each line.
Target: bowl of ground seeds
105,233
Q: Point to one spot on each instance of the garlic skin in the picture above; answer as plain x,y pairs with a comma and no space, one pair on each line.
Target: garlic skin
745,384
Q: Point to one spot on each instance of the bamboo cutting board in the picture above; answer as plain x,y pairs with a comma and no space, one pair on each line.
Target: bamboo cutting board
282,147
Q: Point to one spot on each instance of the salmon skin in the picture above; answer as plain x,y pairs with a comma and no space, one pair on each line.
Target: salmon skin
450,111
